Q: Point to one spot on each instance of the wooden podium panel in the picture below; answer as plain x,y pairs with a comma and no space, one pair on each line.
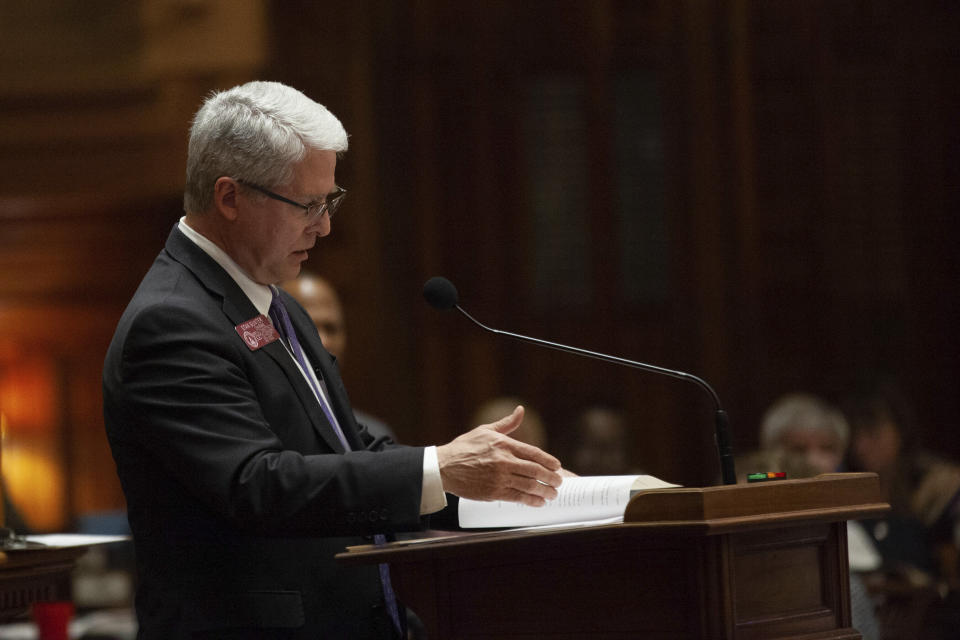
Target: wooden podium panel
738,562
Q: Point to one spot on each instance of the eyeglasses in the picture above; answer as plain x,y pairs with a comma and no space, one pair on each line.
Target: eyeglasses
313,210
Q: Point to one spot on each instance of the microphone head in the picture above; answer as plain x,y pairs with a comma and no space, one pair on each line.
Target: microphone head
440,293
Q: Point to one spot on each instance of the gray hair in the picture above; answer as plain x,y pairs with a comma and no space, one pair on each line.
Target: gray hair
257,131
801,411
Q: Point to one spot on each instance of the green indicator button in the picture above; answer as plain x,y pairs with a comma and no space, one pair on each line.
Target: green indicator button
769,475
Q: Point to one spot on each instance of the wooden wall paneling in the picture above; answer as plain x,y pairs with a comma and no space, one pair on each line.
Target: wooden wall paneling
929,99
564,143
437,390
784,194
94,485
35,478
406,110
600,109
838,93
79,248
335,62
94,117
700,234
379,327
931,189
483,208
860,239
649,326
223,39
73,339
749,335
758,152
610,320
708,216
56,42
563,383
70,263
375,366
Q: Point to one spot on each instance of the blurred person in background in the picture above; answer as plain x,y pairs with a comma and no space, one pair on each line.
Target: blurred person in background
531,430
805,436
601,447
920,486
322,304
800,434
920,536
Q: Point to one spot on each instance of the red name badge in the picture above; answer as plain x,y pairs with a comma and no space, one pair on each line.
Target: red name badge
257,332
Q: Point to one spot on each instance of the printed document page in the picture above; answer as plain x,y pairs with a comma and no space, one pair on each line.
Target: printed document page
579,499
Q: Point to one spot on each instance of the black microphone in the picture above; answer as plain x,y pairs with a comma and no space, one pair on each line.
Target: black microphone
441,294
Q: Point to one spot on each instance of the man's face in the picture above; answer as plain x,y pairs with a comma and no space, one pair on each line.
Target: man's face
603,446
877,446
272,238
323,306
324,310
821,449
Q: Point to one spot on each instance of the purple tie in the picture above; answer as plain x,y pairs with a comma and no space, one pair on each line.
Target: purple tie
281,320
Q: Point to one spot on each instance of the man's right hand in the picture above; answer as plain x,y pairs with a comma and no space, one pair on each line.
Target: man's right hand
487,464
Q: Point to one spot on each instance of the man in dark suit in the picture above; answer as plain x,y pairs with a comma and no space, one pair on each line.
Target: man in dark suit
242,464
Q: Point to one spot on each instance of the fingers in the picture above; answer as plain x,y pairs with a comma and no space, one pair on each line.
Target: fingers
526,482
533,490
529,452
486,464
509,423
524,498
524,491
522,460
537,473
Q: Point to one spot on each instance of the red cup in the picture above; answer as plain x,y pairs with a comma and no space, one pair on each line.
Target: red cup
52,619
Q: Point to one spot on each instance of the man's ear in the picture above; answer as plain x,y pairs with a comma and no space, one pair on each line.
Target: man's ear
225,197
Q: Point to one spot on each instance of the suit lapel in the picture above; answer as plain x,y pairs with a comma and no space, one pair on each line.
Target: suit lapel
238,308
282,357
325,369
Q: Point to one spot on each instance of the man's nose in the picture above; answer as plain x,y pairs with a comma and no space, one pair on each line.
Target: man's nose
321,226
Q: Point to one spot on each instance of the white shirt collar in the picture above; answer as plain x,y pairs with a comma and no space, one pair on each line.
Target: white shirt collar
260,294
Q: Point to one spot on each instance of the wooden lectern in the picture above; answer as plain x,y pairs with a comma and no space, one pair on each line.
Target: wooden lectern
765,560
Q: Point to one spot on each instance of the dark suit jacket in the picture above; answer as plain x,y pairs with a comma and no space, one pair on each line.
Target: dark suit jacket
237,497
